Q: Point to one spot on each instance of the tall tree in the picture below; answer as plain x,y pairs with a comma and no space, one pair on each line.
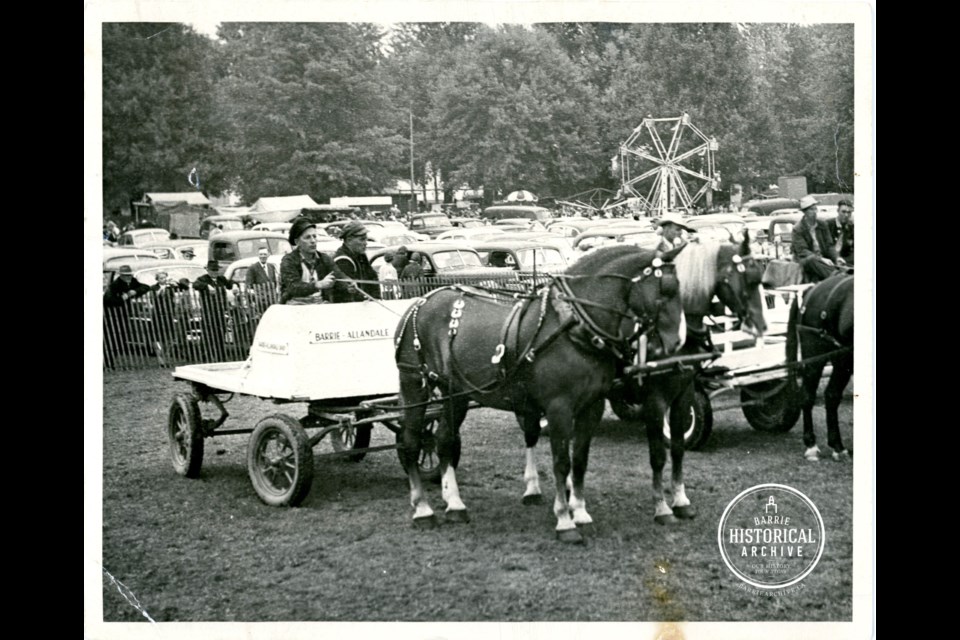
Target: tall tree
158,111
514,112
308,109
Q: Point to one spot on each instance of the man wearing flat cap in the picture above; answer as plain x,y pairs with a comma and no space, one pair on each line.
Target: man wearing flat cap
306,275
813,245
213,308
352,259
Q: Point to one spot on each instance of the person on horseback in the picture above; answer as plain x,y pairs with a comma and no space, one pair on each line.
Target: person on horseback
813,245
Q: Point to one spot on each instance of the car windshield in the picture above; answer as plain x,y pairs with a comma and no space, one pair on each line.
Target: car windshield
449,260
249,248
433,221
539,257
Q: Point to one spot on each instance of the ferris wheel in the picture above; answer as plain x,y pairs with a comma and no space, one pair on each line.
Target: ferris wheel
662,176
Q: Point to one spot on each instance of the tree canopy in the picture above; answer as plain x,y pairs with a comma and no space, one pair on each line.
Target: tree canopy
324,108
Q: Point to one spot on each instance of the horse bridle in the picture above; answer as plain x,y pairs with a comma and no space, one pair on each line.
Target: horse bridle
642,324
739,265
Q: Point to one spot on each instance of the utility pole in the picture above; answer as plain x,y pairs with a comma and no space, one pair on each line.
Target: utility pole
413,191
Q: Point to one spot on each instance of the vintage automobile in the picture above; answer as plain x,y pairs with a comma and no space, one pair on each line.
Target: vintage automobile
432,224
572,227
181,250
767,206
529,212
724,227
229,246
526,256
638,234
142,237
780,231
214,225
446,263
470,234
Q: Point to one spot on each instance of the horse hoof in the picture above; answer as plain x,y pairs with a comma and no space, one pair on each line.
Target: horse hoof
570,536
843,455
668,518
533,498
685,513
457,516
426,522
812,454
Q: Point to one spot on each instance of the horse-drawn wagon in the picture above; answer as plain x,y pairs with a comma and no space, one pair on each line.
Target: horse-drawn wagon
335,359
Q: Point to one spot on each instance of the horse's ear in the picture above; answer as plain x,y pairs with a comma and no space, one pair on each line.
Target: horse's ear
668,256
745,245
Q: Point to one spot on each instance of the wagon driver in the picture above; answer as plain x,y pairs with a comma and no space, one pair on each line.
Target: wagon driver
671,226
813,243
306,275
352,260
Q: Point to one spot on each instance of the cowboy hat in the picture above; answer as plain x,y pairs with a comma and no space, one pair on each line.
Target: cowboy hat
673,218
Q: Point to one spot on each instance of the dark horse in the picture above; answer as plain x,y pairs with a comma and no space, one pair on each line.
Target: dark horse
823,330
728,272
554,354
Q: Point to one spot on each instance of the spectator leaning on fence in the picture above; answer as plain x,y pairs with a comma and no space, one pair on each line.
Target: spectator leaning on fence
124,288
306,275
352,259
213,308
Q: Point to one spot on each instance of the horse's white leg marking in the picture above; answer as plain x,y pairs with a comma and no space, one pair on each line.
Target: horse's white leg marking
680,496
562,510
578,505
812,454
451,492
531,477
421,506
662,509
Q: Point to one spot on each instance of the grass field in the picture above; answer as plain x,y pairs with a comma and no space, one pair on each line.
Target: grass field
208,550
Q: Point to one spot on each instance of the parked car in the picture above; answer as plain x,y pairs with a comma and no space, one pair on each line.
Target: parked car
769,205
180,250
237,271
466,223
141,237
448,263
466,234
229,246
641,236
722,227
572,227
277,227
114,258
214,225
521,255
501,211
432,224
520,224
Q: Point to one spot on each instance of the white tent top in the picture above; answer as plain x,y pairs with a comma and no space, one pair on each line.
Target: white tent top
280,208
190,197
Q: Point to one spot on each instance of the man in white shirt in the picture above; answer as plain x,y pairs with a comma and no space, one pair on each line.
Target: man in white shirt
388,277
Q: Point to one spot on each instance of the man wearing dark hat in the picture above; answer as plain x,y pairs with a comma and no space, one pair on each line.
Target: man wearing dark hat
213,308
813,244
306,275
116,312
352,259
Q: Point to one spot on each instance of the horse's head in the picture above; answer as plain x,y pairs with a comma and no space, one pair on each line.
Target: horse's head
654,298
738,285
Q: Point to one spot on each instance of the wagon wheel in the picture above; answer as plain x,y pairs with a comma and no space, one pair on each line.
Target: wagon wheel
701,422
349,437
185,436
771,406
280,461
429,461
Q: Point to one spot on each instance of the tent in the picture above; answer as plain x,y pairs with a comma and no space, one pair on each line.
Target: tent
190,197
280,209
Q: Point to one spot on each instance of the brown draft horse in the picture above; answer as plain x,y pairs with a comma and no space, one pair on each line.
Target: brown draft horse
555,354
822,330
728,272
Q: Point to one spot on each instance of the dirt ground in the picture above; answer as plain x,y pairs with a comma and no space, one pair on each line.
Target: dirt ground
209,550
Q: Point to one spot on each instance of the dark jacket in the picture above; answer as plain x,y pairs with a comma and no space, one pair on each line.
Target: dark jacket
844,238
114,294
357,267
259,274
291,277
803,247
213,291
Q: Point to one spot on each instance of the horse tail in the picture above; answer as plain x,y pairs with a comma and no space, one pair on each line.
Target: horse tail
793,339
